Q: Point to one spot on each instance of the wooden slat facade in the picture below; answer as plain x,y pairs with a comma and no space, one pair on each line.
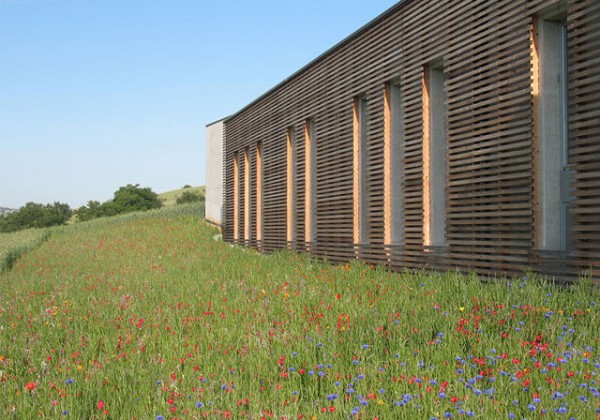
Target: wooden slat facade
485,50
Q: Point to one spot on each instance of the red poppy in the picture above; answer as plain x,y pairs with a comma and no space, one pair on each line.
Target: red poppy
30,386
101,405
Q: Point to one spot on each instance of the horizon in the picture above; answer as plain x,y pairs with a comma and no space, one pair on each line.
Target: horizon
94,96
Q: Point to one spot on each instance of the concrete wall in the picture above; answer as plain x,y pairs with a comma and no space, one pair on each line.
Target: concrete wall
214,172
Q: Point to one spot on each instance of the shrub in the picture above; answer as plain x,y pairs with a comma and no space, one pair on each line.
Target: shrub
188,197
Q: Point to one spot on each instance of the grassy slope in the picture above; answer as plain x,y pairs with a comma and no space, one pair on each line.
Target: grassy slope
169,197
146,315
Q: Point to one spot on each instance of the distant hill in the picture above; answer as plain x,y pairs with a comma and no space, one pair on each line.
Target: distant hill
6,210
169,197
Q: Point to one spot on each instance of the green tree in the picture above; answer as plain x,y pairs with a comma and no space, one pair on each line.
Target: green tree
188,197
135,198
35,215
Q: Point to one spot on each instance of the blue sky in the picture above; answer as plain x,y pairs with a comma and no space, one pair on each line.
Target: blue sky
97,94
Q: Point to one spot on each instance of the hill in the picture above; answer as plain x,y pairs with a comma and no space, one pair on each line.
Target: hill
169,197
6,210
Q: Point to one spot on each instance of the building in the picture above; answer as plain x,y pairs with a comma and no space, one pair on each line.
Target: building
443,134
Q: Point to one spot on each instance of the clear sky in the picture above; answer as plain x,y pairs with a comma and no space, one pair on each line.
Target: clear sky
97,94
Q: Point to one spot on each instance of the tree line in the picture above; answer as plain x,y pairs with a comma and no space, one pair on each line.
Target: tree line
126,199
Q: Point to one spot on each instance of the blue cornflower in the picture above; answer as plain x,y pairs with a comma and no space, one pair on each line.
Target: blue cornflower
531,407
159,417
199,404
69,381
562,410
332,397
365,346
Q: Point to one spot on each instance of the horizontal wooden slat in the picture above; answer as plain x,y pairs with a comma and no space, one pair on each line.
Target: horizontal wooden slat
486,51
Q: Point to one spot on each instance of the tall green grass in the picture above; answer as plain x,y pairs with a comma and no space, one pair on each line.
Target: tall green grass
15,244
149,316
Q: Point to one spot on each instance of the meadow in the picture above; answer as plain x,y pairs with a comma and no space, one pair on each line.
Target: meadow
152,316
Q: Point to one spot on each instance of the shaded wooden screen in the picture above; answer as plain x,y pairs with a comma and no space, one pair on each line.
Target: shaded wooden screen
485,50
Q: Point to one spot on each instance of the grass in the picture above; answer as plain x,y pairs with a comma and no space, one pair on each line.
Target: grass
148,316
15,244
169,197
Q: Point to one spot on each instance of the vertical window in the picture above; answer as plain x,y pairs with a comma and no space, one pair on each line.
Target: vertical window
551,133
236,197
435,161
310,195
246,196
392,160
360,169
259,192
291,186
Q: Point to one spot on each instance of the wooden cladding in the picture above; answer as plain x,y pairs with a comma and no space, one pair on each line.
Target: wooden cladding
432,150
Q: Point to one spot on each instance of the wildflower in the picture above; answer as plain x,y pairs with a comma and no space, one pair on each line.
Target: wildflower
101,405
30,386
69,381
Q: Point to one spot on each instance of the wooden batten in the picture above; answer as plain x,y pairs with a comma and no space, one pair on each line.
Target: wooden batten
338,195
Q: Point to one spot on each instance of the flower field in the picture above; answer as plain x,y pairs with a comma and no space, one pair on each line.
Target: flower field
153,317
